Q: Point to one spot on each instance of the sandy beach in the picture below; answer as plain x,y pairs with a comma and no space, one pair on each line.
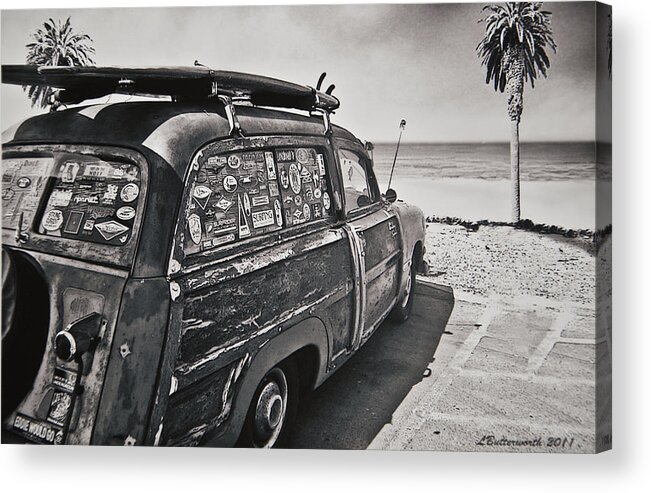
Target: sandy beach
510,263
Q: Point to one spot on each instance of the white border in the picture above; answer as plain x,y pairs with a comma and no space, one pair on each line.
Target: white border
23,468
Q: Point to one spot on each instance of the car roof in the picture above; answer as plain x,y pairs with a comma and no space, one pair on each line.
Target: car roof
172,130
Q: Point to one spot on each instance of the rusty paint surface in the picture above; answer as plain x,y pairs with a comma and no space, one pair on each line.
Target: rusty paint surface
239,308
129,389
75,288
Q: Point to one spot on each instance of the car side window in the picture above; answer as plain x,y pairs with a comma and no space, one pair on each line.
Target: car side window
354,174
242,194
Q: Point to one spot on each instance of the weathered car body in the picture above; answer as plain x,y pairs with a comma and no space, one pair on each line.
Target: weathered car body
208,285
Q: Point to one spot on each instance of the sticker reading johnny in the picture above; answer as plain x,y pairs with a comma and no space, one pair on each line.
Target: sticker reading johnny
224,204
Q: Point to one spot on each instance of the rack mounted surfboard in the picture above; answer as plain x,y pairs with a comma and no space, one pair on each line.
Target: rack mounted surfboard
198,83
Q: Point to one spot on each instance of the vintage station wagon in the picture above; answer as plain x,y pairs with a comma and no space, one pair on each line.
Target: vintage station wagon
178,272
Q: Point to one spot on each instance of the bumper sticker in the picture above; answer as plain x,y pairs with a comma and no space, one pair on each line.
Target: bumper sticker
38,431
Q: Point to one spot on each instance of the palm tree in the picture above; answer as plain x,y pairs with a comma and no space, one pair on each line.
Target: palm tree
513,52
56,44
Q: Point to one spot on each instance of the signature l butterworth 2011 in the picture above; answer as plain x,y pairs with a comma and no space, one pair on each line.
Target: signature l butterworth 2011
560,442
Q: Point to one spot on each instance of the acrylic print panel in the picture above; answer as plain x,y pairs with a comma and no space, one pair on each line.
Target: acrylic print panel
366,227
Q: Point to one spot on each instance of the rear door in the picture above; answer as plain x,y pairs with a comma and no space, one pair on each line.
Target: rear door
376,238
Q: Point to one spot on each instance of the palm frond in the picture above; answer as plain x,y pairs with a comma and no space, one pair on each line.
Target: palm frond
523,26
56,43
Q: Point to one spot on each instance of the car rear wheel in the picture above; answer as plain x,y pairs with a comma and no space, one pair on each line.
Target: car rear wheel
273,409
402,310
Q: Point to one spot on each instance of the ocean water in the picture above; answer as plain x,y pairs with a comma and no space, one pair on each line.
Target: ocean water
559,181
538,161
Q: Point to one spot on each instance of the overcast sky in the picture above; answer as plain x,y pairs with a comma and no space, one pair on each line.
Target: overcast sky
416,62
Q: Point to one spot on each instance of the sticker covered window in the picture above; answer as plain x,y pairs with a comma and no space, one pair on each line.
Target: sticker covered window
92,200
239,195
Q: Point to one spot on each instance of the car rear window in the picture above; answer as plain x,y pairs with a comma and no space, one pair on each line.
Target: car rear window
84,197
238,195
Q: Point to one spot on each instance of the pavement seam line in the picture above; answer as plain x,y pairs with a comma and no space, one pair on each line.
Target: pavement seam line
538,357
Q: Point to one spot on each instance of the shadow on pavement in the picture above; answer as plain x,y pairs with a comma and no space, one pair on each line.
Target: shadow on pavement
351,407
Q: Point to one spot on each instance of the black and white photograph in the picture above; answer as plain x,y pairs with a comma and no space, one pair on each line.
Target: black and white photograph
349,227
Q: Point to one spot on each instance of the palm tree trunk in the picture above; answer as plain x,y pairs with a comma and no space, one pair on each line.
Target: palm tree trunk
514,64
515,171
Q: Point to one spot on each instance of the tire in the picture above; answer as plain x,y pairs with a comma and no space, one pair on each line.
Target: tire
273,409
402,310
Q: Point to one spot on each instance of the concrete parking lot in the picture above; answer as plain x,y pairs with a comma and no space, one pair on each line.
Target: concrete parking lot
465,373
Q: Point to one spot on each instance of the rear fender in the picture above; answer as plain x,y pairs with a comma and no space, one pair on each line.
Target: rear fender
309,332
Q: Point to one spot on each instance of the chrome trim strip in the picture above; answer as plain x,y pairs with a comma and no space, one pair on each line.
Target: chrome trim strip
359,285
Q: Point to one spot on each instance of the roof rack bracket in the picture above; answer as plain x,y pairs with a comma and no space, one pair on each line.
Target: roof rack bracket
233,122
326,120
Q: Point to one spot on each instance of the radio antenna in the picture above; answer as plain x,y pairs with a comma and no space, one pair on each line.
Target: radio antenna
402,127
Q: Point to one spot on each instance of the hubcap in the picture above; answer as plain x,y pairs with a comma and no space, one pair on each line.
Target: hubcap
270,409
